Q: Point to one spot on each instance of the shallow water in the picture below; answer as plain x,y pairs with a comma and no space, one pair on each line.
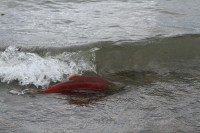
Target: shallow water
151,47
149,103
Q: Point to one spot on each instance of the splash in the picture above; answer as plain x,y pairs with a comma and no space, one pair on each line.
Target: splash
30,68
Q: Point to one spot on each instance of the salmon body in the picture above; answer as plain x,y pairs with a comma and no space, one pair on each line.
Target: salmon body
78,83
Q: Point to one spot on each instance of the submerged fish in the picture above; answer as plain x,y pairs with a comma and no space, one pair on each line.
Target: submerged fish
79,83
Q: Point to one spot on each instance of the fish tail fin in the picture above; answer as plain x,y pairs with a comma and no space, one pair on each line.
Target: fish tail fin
35,91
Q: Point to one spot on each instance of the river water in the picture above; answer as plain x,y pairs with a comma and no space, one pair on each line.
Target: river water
151,47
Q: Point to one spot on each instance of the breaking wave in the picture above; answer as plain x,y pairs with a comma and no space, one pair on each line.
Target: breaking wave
31,68
41,66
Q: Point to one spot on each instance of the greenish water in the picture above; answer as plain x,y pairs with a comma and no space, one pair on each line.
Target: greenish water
150,47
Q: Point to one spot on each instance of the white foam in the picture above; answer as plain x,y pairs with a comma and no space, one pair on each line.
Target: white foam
30,68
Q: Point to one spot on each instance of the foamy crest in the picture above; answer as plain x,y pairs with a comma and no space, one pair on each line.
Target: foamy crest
30,68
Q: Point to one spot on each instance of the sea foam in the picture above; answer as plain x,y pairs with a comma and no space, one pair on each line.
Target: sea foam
31,68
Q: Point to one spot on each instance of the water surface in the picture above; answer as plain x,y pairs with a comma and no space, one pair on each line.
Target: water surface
151,47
